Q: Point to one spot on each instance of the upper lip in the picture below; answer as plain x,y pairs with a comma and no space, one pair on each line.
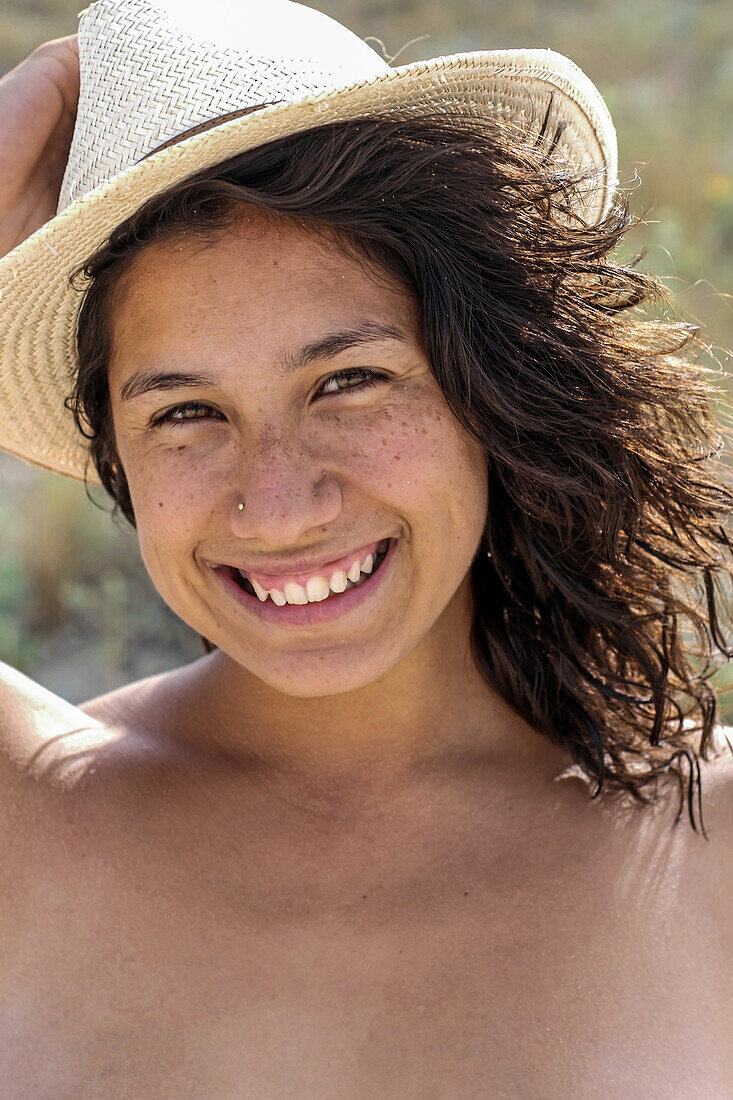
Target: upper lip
300,565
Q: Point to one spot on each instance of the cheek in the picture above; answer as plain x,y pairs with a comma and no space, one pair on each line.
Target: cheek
417,458
171,496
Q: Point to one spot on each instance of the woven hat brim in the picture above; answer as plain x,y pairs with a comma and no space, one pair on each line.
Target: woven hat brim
39,309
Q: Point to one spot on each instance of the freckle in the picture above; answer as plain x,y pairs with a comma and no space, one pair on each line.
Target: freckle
160,503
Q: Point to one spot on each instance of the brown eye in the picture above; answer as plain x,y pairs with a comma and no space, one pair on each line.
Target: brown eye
187,411
357,379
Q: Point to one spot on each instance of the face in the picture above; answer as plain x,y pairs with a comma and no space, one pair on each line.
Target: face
281,432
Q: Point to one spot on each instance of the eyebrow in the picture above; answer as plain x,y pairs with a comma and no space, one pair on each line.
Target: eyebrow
327,347
335,342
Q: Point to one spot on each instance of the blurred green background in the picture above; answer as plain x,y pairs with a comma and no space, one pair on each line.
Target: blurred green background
77,611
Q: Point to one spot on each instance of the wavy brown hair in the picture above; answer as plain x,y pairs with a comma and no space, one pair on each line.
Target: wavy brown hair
606,519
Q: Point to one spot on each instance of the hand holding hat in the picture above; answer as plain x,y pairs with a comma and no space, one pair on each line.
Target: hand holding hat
38,100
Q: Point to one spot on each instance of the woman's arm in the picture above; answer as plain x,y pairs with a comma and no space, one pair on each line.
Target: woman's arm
38,100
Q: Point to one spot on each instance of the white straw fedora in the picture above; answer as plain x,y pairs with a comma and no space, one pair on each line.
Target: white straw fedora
154,73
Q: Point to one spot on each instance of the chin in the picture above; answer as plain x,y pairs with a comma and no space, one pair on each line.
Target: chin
317,674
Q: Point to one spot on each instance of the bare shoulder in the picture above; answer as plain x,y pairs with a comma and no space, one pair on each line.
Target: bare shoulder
703,848
34,721
47,743
62,764
676,853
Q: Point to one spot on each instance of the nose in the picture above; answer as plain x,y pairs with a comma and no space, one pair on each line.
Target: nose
286,492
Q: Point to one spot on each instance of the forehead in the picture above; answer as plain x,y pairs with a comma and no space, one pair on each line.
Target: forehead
261,278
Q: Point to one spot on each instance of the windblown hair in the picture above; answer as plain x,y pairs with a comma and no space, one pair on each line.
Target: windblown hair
594,415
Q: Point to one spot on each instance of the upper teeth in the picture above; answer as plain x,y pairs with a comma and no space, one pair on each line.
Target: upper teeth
316,589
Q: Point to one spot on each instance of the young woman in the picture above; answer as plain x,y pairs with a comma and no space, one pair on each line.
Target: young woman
399,446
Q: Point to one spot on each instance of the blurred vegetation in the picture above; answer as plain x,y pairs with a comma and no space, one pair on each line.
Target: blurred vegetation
77,610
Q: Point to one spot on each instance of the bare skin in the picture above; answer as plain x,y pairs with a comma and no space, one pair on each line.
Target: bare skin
38,107
171,928
328,860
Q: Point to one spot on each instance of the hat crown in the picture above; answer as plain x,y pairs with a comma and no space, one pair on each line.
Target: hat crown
151,70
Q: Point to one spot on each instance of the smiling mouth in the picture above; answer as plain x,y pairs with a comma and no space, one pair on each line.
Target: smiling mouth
318,587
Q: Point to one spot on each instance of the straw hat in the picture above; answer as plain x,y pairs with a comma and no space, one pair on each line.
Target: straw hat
153,73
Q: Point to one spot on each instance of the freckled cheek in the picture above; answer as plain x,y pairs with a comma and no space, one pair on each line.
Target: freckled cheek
423,467
416,453
172,496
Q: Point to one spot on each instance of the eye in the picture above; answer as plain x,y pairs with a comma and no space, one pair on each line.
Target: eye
185,413
351,379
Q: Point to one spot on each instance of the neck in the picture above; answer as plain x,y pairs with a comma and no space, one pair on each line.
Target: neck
433,711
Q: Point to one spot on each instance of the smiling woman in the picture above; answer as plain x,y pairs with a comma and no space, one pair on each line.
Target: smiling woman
349,347
295,382
441,288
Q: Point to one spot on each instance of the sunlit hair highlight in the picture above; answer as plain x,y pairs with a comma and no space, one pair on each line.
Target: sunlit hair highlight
596,610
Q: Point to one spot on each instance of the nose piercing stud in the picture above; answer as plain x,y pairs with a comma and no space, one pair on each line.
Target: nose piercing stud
240,507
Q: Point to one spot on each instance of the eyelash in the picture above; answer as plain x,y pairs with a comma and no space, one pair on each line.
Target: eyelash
369,379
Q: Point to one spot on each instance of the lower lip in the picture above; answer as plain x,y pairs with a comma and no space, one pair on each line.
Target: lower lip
311,614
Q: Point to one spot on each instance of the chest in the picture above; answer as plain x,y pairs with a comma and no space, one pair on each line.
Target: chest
131,977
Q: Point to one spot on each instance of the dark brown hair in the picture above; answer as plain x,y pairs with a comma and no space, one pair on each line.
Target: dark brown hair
595,417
